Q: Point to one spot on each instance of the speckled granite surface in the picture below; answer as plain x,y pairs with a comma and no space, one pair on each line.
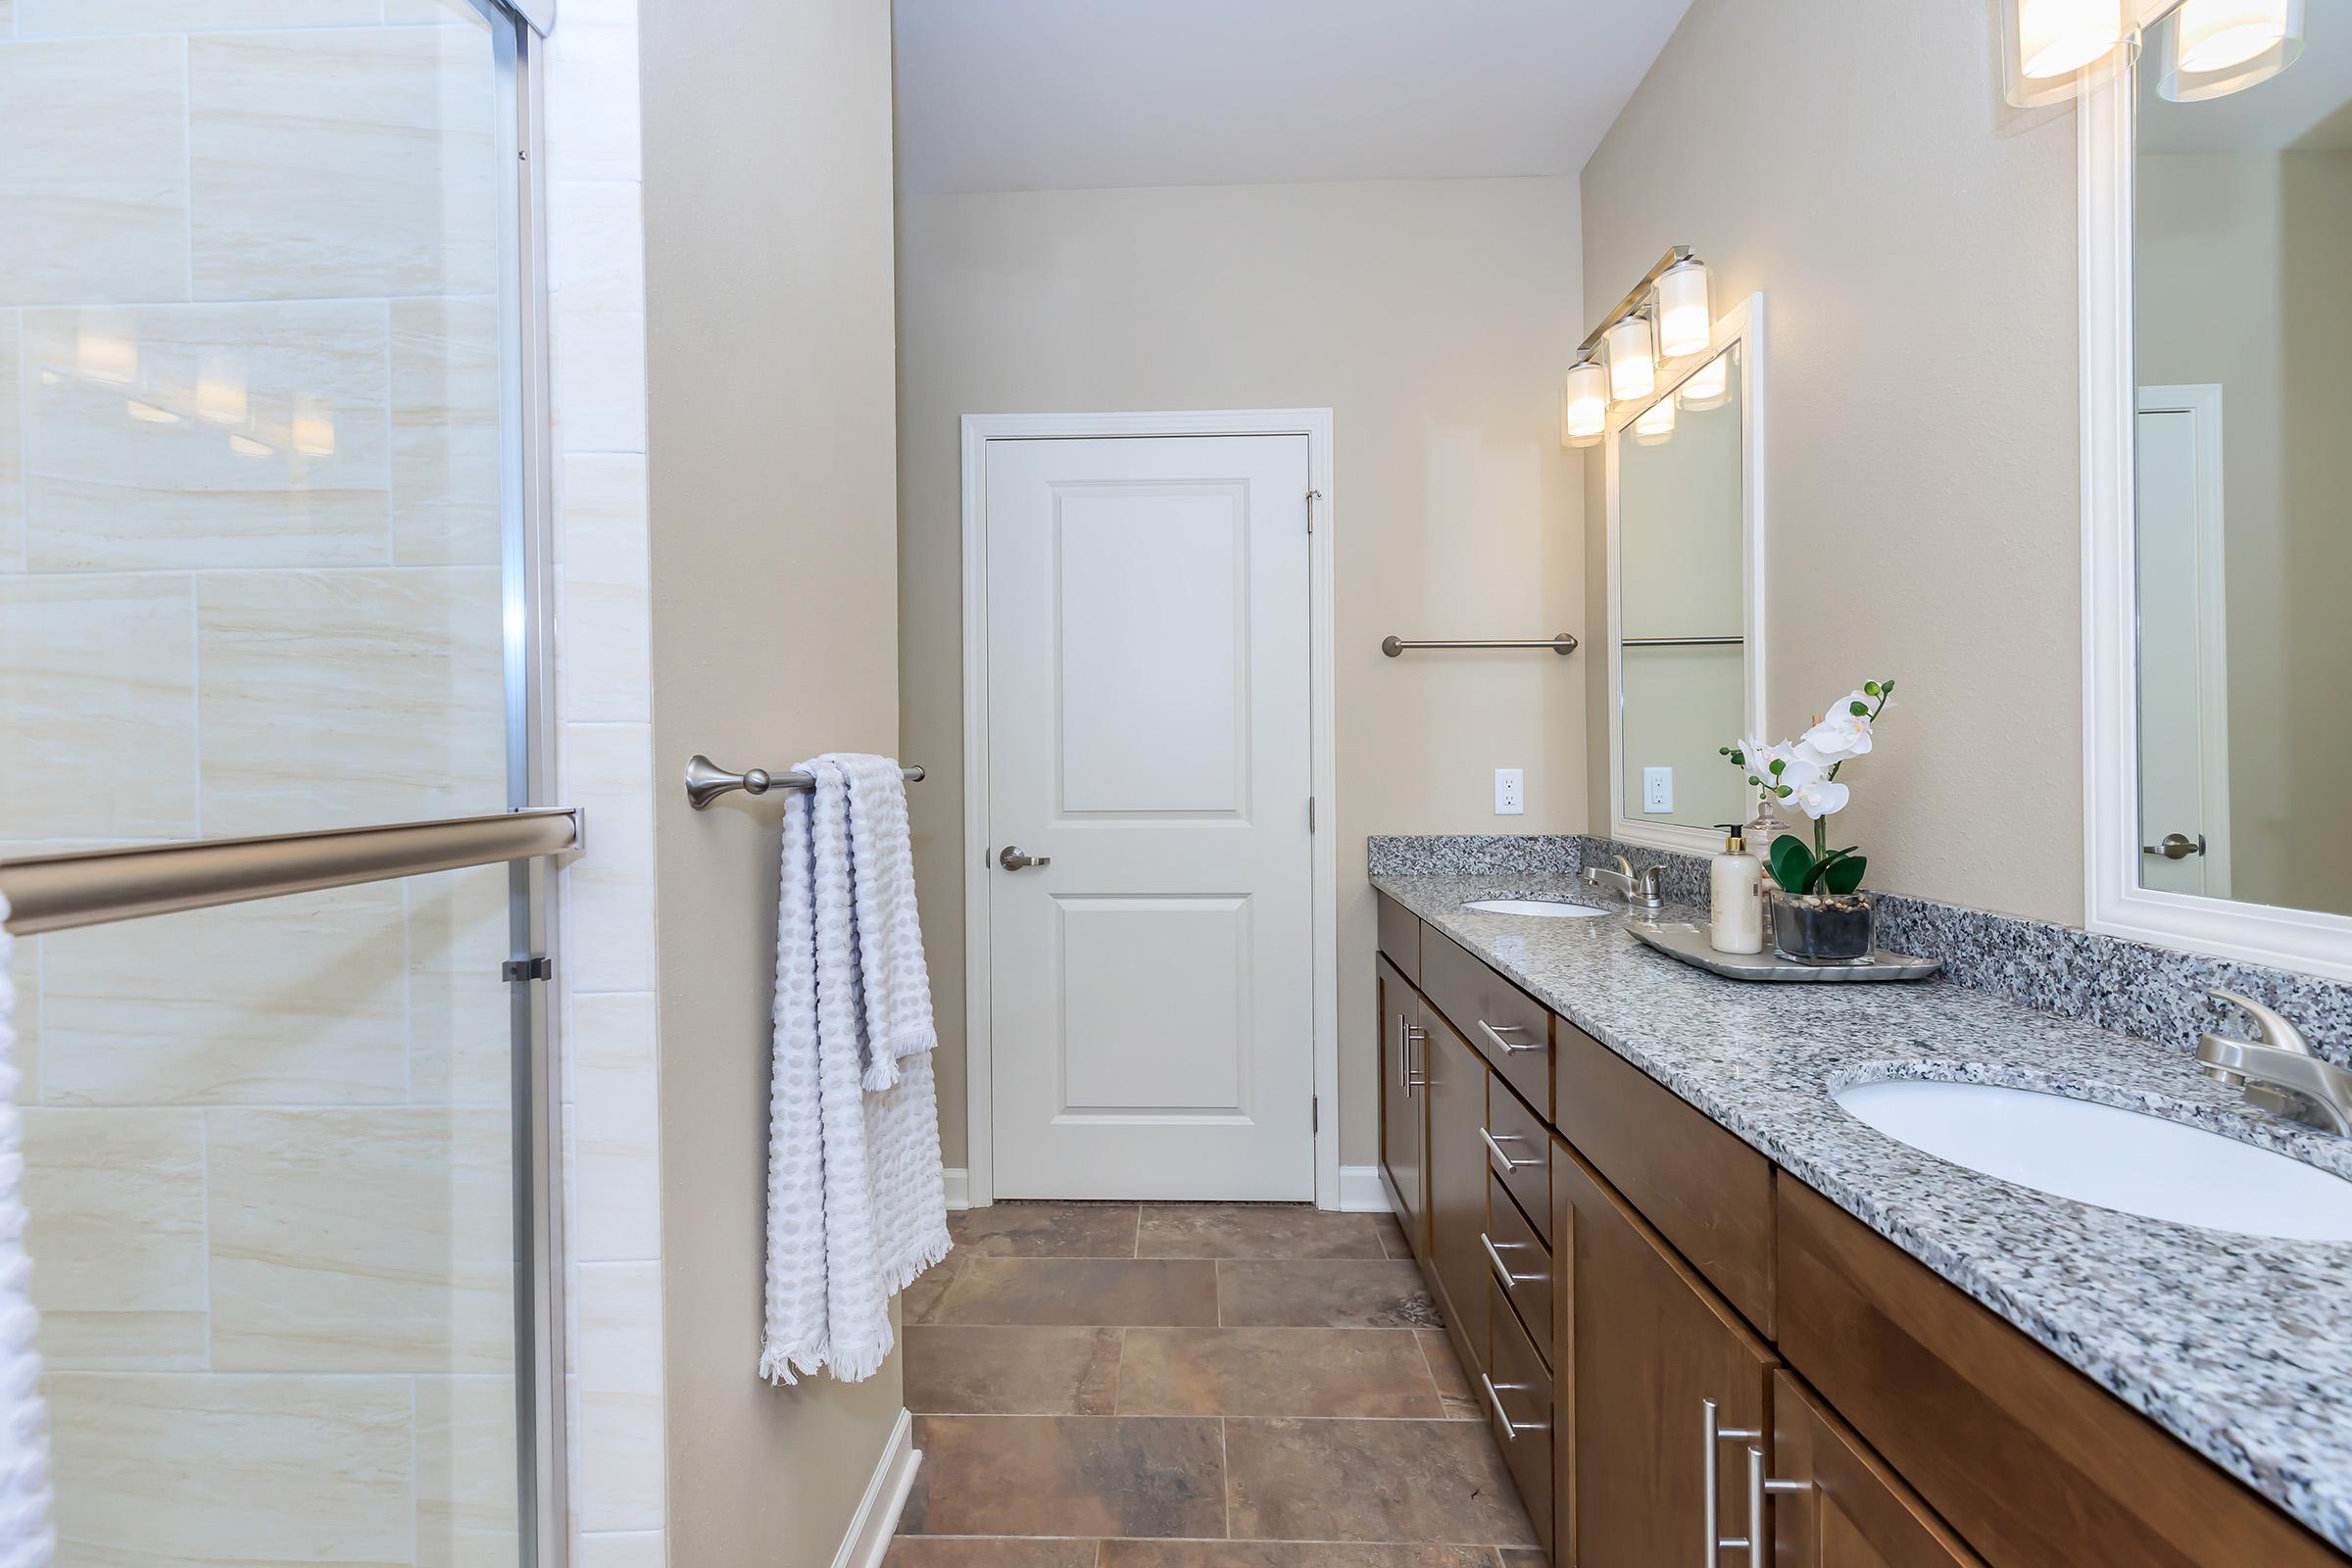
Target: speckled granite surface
2242,1346
2147,992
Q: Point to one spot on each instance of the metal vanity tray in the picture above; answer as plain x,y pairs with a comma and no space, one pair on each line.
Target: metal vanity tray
1689,942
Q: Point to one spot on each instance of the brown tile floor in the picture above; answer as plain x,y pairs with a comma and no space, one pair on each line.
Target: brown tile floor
1193,1385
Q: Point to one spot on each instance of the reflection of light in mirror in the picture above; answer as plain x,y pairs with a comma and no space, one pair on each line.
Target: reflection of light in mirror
1633,366
1685,324
1584,405
313,431
221,391
148,413
1656,424
246,446
1709,386
2058,37
101,356
2218,33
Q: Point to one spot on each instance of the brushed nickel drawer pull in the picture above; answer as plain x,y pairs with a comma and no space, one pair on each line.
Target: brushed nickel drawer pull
1503,1045
1416,1075
1713,1438
1503,1270
1510,1429
1495,1150
1759,1543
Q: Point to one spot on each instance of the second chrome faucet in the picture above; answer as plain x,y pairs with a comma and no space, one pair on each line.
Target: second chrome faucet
2278,1060
1639,887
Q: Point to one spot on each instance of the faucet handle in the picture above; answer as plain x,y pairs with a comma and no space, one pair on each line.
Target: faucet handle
2269,1027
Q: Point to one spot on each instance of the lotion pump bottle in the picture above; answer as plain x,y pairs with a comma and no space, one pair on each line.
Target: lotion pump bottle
1735,913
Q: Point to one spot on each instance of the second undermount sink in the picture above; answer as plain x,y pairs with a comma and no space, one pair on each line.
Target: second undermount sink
1542,909
2112,1158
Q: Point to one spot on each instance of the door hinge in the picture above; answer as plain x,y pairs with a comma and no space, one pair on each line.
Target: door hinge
1310,813
1312,496
538,967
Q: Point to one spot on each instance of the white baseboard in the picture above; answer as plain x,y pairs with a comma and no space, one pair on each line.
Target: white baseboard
959,1187
877,1517
1361,1191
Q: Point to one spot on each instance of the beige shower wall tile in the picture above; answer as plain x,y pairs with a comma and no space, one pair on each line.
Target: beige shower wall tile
23,978
114,1200
616,1125
232,1470
361,1241
605,671
461,1014
447,485
346,697
619,1431
609,893
11,449
97,707
467,1507
72,19
344,162
296,999
207,435
593,125
125,1342
94,185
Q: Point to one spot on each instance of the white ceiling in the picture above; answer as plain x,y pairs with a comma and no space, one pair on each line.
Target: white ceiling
1077,94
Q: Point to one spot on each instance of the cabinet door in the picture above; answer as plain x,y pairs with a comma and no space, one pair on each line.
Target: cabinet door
1403,1130
1652,1345
1849,1509
1457,1183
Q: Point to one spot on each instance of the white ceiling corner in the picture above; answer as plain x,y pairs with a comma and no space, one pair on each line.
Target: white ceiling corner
1082,94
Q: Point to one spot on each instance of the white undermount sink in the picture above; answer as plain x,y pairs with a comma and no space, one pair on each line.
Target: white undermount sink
2115,1159
1543,908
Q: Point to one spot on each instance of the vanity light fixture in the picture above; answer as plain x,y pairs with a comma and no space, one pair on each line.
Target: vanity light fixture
1654,426
2211,48
1685,322
1709,386
1632,364
2054,38
1584,403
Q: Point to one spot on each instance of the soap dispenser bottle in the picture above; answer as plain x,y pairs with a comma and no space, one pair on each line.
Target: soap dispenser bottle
1735,903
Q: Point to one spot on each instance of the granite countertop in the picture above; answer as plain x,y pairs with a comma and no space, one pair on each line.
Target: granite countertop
2240,1346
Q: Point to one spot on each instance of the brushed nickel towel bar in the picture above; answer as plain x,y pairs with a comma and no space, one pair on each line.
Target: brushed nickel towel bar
1561,644
707,781
94,887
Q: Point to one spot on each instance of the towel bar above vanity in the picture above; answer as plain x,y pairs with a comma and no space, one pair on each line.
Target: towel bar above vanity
1562,643
707,781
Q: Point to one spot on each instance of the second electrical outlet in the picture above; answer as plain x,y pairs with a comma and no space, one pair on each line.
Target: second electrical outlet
1510,792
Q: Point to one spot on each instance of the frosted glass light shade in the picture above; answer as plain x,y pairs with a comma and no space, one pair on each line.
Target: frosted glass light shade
1686,324
1709,386
1655,422
1632,364
2058,37
2211,48
1584,405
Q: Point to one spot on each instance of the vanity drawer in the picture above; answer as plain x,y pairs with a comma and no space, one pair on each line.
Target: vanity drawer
1528,1258
1700,1187
1518,1391
2027,1459
1526,1143
1508,1027
1400,937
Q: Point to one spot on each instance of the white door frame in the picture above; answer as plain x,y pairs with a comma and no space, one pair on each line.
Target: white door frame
2202,401
978,1051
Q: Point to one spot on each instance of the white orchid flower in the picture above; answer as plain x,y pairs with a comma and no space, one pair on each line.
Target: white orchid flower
1818,798
1843,732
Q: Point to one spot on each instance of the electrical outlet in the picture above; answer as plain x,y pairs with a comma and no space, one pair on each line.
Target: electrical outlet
1657,789
1510,792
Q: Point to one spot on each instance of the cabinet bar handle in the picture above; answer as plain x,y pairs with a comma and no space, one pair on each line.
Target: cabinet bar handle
1503,1270
1759,1545
1495,1150
1714,1436
1501,1044
1415,1077
1510,1429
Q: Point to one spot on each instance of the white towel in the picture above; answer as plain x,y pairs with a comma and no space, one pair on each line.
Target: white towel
857,1206
27,1538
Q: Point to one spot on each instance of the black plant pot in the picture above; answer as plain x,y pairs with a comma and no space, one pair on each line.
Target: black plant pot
1822,927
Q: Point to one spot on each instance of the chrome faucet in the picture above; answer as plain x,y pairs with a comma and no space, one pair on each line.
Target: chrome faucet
2281,1061
1639,887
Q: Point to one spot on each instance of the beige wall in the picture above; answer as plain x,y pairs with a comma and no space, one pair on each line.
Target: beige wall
767,190
1916,241
1434,320
2239,282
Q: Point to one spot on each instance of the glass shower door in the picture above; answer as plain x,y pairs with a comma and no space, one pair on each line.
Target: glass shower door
262,570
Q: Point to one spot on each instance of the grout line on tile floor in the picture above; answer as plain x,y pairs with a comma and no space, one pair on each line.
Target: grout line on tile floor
1225,1467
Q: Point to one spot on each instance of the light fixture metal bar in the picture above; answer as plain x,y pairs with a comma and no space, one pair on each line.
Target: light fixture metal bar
59,892
1675,256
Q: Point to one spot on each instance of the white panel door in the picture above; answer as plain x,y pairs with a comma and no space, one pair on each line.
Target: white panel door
1151,976
2183,678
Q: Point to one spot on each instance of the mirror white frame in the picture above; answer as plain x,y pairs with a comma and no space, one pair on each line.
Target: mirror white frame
2114,901
1743,325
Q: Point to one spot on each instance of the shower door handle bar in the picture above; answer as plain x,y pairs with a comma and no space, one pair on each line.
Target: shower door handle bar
96,887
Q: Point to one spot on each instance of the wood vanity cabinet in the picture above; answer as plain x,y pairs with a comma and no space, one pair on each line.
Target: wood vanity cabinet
1853,1510
1404,1133
1456,1087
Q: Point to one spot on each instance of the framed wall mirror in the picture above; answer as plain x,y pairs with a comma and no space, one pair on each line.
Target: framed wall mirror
1682,472
2218,503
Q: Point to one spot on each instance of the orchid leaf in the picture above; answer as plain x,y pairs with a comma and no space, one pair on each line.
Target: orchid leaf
1846,875
1821,868
1792,861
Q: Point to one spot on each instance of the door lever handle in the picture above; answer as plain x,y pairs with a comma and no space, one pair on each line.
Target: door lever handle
1014,860
2176,847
